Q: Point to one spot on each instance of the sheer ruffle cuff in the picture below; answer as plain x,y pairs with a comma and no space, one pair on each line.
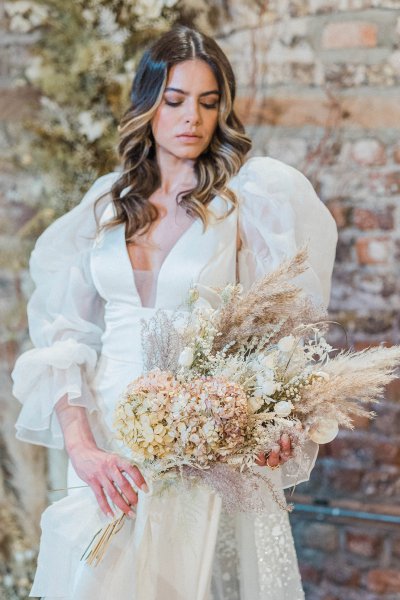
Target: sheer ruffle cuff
41,377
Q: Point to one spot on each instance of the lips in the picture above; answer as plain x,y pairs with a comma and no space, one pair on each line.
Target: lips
188,138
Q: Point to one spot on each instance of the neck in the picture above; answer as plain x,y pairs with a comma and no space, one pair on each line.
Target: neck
176,173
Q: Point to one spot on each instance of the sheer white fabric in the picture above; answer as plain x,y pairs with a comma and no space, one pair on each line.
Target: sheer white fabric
84,323
146,285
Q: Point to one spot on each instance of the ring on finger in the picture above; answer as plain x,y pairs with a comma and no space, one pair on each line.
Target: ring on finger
271,466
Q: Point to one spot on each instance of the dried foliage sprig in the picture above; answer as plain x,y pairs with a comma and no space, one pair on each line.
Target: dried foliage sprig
271,299
352,379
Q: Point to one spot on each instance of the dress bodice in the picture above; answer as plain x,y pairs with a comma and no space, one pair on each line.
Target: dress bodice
206,258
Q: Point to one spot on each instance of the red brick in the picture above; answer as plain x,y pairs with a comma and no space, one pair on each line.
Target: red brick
350,34
345,480
309,573
396,153
381,483
392,181
312,107
362,344
373,250
339,212
396,547
18,103
387,420
384,581
366,219
360,422
385,184
393,390
322,536
366,447
363,544
341,573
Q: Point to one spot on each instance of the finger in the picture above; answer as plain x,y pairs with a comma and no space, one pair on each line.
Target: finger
134,473
116,497
284,457
124,485
285,443
261,459
102,500
273,459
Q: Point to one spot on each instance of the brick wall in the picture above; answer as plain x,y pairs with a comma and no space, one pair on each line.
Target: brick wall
319,87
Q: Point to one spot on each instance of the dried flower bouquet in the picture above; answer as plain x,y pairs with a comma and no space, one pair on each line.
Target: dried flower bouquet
224,386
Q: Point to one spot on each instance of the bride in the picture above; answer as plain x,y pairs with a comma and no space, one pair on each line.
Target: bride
185,207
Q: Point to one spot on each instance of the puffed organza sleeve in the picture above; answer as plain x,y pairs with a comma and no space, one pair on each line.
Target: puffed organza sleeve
279,213
66,320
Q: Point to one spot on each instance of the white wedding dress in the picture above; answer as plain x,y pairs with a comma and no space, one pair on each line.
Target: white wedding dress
84,322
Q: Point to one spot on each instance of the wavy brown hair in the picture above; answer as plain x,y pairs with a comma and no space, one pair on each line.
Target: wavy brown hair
140,176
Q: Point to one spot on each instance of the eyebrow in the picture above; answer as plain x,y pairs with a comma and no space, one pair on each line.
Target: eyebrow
172,89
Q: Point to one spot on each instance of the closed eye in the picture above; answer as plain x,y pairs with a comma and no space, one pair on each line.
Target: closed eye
214,105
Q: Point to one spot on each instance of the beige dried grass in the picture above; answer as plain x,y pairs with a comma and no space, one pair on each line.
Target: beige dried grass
355,378
271,301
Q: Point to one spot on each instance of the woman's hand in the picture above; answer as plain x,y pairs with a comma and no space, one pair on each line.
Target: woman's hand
279,453
104,473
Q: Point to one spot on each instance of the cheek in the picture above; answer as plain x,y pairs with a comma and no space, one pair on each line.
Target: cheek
212,122
162,123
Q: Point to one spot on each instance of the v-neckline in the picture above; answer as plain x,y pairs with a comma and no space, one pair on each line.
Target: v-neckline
167,258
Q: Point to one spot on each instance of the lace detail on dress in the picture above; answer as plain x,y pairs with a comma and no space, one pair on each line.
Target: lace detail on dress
225,574
279,576
255,558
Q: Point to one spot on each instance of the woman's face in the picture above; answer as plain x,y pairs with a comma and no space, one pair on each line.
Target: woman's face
189,106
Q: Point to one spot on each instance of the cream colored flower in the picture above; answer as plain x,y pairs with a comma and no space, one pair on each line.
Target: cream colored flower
269,361
324,431
287,343
283,408
186,357
323,375
90,128
255,403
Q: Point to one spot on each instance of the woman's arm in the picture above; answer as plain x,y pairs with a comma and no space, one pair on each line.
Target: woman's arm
102,471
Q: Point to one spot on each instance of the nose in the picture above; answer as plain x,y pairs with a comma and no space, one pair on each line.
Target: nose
193,114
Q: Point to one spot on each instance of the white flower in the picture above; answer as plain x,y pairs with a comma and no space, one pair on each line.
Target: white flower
268,387
29,554
283,408
322,374
19,557
21,6
88,15
129,65
255,403
90,128
151,9
269,361
34,70
25,15
148,9
324,431
20,24
8,580
186,357
286,343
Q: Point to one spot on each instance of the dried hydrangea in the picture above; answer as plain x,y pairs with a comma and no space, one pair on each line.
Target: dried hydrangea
193,422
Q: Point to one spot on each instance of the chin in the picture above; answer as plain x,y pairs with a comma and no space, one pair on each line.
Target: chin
190,154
